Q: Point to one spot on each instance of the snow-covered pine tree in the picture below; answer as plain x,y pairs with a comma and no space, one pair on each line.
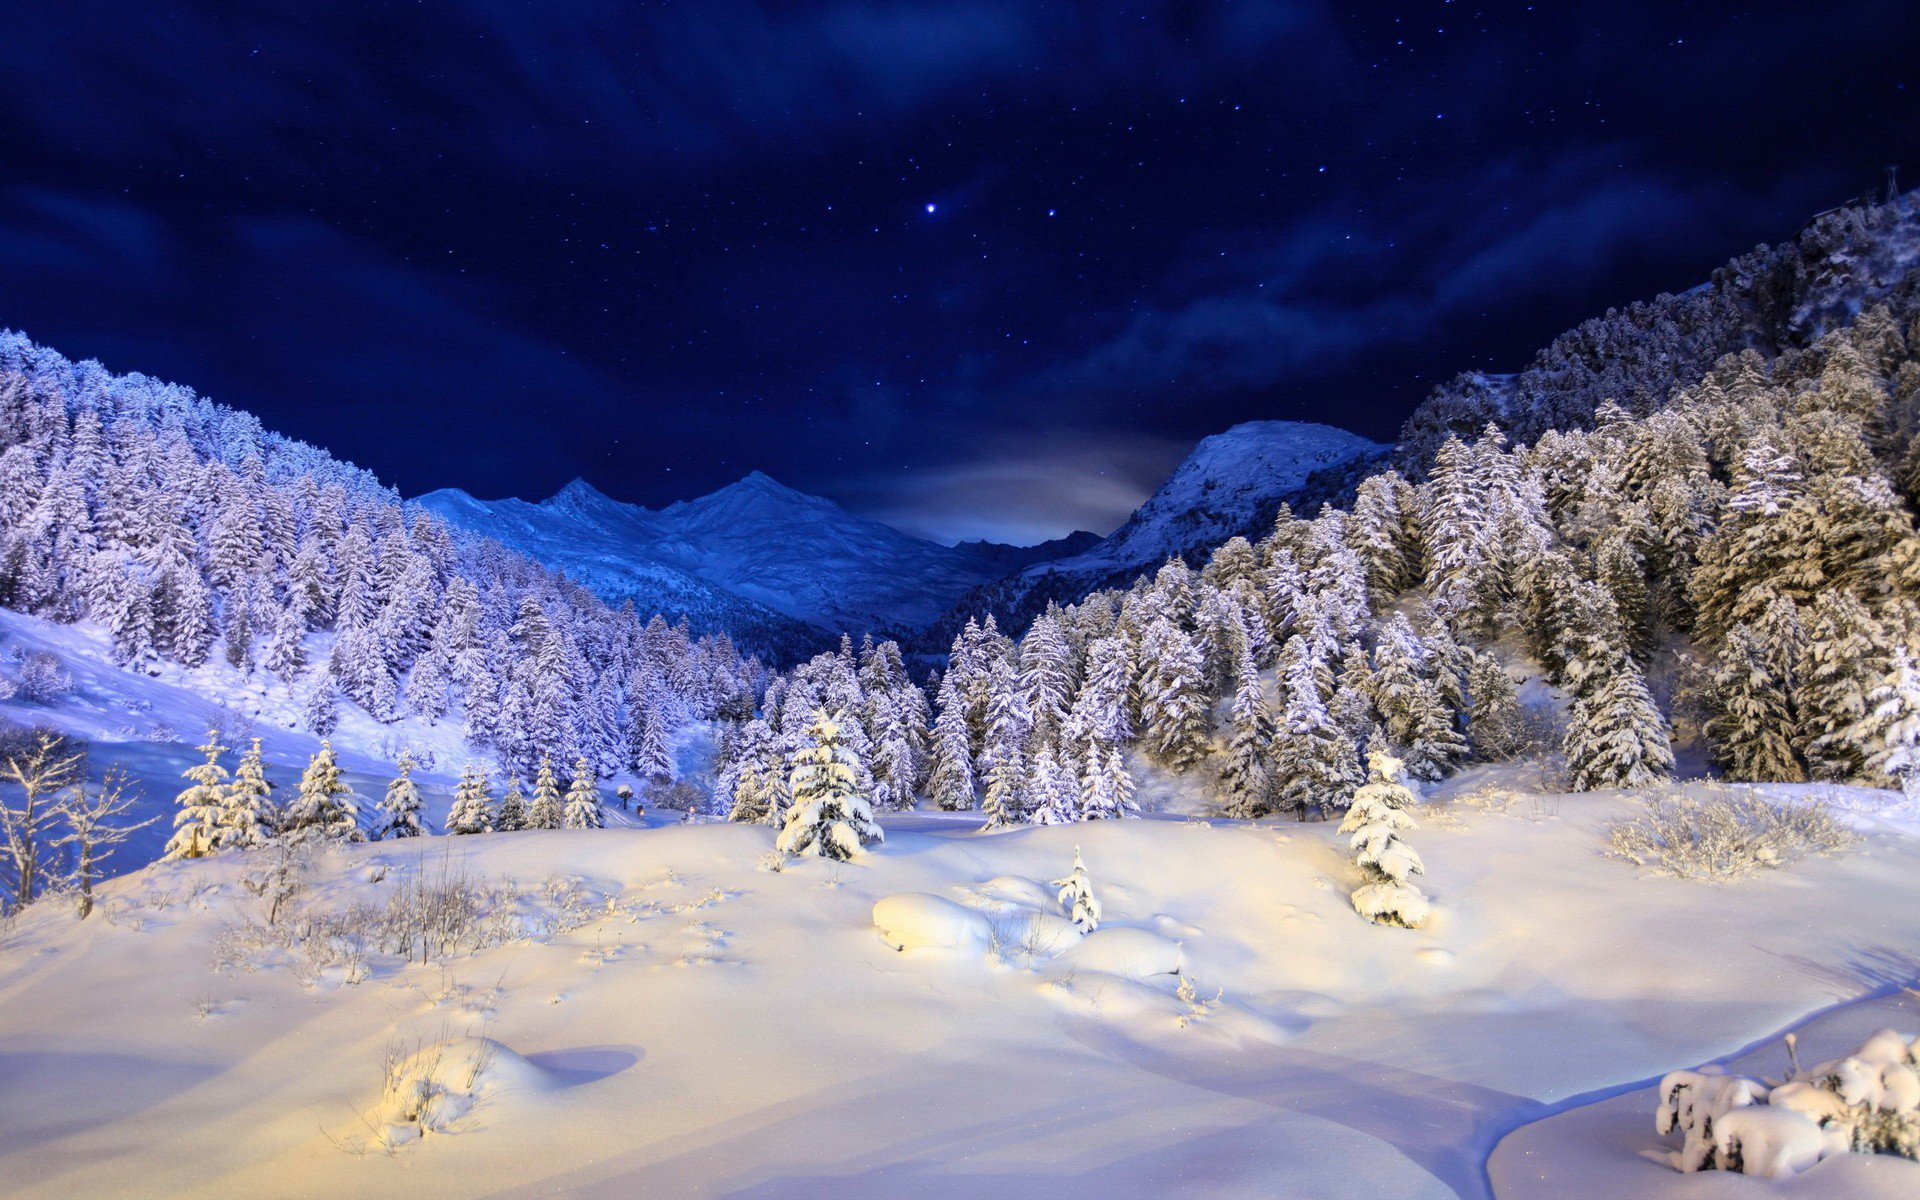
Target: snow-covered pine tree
198,829
1496,726
583,799
320,713
1310,755
1376,817
472,810
511,813
829,817
1076,896
1099,709
1752,726
950,783
326,808
401,807
247,816
1054,795
1616,737
1005,801
1244,776
1106,788
547,810
1173,704
1891,727
1838,664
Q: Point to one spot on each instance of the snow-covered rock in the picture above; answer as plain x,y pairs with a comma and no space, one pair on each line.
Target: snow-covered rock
917,921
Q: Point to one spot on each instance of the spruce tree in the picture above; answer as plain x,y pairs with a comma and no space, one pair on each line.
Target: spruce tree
1496,727
198,829
1616,737
472,810
511,814
583,799
1106,789
400,808
547,810
1247,782
1891,727
1752,727
326,807
829,817
950,783
247,817
1173,705
1376,817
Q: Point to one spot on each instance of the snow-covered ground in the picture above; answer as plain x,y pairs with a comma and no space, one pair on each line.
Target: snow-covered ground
684,1022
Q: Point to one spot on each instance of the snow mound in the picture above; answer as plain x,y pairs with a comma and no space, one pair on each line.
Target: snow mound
919,921
436,1088
1136,954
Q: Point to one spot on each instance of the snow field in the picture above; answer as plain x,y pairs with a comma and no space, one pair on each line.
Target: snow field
706,1027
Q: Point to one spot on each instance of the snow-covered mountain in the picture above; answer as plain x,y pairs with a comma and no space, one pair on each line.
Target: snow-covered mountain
1232,483
757,551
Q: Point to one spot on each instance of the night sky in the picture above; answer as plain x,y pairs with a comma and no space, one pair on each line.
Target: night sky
976,268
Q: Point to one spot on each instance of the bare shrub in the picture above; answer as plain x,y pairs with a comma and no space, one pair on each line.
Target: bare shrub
1723,833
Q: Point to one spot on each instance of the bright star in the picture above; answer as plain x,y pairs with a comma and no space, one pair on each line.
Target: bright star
931,206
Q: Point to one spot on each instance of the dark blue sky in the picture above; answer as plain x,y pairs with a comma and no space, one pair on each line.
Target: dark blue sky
979,267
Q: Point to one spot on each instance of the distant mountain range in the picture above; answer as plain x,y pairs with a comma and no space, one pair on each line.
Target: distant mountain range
784,571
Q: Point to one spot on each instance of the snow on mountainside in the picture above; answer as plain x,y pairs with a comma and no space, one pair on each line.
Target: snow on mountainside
1232,483
792,561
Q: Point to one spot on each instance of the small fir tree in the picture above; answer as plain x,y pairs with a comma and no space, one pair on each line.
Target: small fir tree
1076,896
472,810
198,828
583,799
1375,818
548,810
400,808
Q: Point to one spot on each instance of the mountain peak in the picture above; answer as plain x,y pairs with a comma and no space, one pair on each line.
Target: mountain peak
578,493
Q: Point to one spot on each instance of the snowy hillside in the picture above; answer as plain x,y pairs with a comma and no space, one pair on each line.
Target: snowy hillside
665,1019
1231,484
755,550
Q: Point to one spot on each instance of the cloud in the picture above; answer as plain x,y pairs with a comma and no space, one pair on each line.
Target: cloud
1022,491
1263,309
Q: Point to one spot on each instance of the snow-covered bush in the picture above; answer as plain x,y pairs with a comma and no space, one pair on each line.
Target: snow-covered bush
44,678
1716,832
431,1088
1375,820
1867,1102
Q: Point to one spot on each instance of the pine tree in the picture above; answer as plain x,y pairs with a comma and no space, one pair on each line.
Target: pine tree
1055,795
326,807
511,815
1005,801
583,799
197,828
1892,725
1076,896
829,816
400,808
1752,727
1245,778
1376,817
1496,726
1173,699
547,810
472,810
319,712
1310,753
247,818
1616,737
1837,667
1106,788
950,783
